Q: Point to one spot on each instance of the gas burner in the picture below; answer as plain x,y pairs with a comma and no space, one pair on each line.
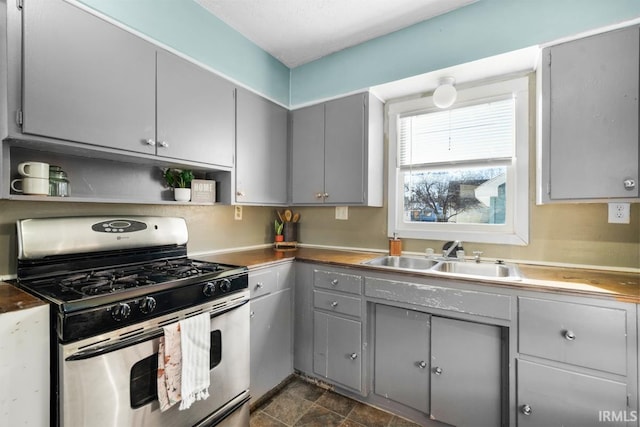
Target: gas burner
182,268
104,281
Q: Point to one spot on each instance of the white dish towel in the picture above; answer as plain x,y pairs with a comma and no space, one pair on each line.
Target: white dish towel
195,343
183,362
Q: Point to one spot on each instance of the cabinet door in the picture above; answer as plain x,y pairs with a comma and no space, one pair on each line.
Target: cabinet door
337,349
555,397
86,80
345,150
261,149
593,113
307,172
271,342
196,113
466,368
402,356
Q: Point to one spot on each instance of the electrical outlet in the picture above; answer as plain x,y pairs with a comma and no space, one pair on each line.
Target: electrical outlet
619,213
237,213
342,212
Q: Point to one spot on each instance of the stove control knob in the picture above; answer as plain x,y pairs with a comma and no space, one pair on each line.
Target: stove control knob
225,285
147,305
121,311
209,289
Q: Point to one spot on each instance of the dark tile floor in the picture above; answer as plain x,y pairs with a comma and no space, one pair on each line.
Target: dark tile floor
301,403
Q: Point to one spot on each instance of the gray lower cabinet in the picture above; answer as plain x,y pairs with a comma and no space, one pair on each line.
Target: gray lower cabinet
87,80
271,328
447,368
550,396
337,152
575,363
337,349
261,151
402,354
589,117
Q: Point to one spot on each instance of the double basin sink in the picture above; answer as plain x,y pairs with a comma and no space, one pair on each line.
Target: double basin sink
476,269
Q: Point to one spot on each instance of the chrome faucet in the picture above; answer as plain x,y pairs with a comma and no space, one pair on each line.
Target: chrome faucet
449,249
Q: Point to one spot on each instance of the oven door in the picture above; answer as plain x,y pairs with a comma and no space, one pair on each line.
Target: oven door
117,386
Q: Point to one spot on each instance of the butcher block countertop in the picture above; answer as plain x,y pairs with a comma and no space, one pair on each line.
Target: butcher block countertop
14,299
620,286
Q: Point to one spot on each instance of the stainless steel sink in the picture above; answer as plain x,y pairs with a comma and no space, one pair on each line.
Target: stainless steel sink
481,269
478,269
402,262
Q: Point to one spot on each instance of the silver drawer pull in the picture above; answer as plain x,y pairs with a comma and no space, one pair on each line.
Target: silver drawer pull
422,364
353,356
252,314
259,285
334,282
334,304
437,370
569,335
526,410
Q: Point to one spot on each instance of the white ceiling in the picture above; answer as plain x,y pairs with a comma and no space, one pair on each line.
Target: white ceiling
299,31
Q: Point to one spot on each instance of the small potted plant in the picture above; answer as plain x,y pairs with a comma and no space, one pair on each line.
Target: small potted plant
278,229
179,180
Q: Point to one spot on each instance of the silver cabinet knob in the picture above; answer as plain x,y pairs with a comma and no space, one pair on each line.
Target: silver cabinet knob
629,184
240,193
334,282
252,314
526,410
437,370
150,142
259,285
334,304
353,356
569,335
325,195
318,195
163,144
422,364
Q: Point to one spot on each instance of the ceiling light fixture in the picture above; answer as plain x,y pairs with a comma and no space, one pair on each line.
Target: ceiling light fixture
445,94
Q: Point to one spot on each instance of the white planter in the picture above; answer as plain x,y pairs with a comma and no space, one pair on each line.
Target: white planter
182,194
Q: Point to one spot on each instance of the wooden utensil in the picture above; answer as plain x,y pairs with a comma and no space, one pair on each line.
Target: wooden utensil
280,216
296,217
288,215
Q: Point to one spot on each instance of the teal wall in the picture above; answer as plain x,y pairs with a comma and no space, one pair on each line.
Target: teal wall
480,30
188,28
483,29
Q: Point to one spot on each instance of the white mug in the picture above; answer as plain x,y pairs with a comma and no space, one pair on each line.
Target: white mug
34,169
31,186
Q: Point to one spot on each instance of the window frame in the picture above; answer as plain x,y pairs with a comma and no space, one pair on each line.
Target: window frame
516,229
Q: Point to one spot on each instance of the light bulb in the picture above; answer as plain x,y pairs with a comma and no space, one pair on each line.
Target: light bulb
445,94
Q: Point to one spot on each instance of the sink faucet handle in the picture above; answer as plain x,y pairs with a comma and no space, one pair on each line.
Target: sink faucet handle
476,255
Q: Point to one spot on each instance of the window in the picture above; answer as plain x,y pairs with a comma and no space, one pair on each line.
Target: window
461,173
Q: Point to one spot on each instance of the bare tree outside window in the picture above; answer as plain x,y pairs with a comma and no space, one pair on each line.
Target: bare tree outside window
471,196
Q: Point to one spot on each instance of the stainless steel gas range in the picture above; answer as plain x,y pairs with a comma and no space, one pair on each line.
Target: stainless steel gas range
113,284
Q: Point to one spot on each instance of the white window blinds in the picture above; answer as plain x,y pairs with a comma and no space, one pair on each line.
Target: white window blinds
479,132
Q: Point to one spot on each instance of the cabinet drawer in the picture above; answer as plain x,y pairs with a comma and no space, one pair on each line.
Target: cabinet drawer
583,335
338,281
262,282
554,397
337,303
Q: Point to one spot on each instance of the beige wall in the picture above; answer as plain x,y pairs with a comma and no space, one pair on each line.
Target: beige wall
559,233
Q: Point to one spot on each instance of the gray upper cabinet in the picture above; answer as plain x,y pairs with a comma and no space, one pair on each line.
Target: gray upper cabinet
90,81
86,80
337,152
589,118
195,112
261,150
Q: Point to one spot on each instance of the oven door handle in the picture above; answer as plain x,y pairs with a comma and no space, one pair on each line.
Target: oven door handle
119,345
